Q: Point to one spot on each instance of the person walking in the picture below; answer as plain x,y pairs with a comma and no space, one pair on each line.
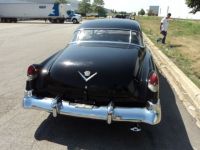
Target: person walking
164,27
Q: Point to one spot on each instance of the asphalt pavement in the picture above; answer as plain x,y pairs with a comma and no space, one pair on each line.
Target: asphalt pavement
26,43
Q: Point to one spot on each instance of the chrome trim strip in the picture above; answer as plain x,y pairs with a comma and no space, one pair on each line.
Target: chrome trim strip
130,37
111,42
150,114
123,29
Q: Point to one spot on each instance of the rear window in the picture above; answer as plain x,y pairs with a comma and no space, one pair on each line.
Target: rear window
109,35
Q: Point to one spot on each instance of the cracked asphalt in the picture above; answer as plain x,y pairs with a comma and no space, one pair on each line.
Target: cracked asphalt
26,43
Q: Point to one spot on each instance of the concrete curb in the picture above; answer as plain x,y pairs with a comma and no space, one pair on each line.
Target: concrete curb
185,89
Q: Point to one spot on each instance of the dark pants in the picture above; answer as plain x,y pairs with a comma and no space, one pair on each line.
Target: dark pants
164,33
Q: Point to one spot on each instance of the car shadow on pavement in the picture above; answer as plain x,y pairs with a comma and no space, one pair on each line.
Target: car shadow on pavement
76,133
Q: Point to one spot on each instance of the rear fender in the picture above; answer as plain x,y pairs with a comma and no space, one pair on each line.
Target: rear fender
44,68
146,68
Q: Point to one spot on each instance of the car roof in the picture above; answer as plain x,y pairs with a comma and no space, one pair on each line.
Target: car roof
113,23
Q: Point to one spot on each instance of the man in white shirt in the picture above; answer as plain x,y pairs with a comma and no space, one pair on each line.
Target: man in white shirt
163,27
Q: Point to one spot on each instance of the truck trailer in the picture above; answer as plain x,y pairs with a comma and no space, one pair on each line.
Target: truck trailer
55,13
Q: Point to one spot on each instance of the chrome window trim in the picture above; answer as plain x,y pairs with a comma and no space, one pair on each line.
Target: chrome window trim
107,29
130,36
111,42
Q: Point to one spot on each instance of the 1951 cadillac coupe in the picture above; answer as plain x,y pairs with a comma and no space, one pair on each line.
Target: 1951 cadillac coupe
104,73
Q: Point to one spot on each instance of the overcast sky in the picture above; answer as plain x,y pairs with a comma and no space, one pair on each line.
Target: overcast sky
129,5
178,8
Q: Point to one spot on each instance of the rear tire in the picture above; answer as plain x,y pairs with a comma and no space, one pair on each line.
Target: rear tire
13,20
62,21
9,20
75,21
57,20
50,20
53,20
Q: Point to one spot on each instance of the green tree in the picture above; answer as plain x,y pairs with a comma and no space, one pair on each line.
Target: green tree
114,11
151,13
102,12
98,3
123,12
98,7
141,12
61,1
194,4
84,7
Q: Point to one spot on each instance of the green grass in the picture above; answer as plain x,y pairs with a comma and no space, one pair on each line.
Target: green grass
178,30
178,27
185,28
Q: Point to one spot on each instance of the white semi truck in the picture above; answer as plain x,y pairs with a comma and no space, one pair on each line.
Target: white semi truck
55,13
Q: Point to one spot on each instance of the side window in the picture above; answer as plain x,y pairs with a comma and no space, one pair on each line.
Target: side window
75,36
69,12
85,35
140,39
135,38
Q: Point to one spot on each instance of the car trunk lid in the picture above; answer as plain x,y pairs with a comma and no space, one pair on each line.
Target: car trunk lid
91,71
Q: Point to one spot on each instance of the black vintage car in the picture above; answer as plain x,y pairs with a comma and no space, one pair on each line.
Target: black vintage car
104,73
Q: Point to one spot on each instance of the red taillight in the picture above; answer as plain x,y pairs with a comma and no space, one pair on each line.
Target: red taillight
153,82
32,71
153,79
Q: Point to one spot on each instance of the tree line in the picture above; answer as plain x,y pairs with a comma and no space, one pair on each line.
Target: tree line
61,1
194,4
86,7
97,6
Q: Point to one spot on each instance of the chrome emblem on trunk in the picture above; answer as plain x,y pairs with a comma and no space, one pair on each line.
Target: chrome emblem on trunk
87,75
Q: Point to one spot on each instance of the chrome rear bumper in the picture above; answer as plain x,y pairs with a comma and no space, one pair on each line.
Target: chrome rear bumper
150,114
